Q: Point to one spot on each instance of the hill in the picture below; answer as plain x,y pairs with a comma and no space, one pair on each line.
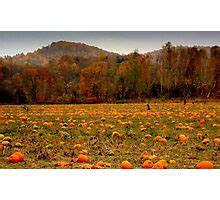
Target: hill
56,51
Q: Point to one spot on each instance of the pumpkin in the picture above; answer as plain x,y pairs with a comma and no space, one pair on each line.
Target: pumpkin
71,124
172,162
157,165
206,141
148,136
164,163
164,140
84,152
161,164
202,122
158,138
95,166
164,126
204,165
16,157
1,136
126,165
182,138
103,119
5,143
7,139
87,166
76,146
116,134
217,141
82,159
144,155
18,144
147,164
101,163
199,135
21,156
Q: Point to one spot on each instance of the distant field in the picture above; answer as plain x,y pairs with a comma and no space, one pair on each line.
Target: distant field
52,136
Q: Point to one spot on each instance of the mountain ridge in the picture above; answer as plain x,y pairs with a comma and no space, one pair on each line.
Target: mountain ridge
56,50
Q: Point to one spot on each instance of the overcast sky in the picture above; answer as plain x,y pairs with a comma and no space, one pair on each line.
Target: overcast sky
12,43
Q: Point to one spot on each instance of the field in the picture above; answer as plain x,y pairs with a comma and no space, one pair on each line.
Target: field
53,136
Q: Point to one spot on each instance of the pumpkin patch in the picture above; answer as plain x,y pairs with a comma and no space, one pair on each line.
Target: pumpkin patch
115,136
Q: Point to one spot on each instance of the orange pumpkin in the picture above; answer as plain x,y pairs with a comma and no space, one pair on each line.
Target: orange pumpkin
173,162
164,140
148,136
182,138
202,122
87,166
103,119
126,165
157,165
217,141
20,155
76,146
164,163
158,138
144,155
71,124
206,141
1,136
101,163
204,165
95,166
164,126
84,152
82,159
161,164
199,135
147,164
16,157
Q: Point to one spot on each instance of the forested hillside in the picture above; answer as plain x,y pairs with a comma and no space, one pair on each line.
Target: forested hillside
66,72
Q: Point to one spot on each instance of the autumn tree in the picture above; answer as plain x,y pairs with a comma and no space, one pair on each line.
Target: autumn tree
94,81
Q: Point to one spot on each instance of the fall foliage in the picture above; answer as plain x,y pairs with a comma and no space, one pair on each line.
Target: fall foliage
65,72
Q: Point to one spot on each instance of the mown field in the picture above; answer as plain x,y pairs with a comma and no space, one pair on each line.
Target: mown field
53,136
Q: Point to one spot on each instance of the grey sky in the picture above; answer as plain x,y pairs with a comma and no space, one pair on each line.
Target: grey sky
12,43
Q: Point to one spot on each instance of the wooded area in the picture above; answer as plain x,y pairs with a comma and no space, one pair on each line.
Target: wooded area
171,72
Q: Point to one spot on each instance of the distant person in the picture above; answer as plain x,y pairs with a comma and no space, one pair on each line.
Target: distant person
184,100
148,106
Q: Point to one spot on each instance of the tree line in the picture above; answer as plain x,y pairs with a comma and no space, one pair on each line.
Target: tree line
175,72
